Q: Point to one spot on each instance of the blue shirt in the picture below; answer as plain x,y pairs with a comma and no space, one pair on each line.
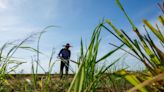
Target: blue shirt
65,53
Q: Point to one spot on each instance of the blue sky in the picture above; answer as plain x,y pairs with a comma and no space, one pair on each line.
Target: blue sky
74,18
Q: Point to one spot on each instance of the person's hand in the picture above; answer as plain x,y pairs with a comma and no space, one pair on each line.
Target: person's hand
58,57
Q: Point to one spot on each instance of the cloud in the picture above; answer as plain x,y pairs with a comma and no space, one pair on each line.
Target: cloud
10,4
3,4
19,17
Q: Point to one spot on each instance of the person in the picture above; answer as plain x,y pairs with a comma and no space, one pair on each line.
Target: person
65,55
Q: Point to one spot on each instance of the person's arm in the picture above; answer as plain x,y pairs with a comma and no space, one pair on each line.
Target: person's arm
60,52
69,54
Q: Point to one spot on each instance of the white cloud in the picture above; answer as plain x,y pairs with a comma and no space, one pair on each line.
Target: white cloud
17,19
3,4
10,4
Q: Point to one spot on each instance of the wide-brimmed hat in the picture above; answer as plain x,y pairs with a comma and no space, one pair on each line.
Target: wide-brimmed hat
67,45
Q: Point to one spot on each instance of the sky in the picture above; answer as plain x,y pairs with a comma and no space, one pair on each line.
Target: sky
74,19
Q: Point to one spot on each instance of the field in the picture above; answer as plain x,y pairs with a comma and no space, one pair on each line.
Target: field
24,83
89,77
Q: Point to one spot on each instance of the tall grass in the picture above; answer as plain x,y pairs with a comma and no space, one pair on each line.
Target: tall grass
86,79
144,48
6,58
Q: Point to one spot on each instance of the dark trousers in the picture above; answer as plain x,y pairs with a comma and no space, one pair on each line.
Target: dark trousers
62,65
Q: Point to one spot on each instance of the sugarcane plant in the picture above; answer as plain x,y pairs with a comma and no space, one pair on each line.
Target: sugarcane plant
7,52
145,49
87,78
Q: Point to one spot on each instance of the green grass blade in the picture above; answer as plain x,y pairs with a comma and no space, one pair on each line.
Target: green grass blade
155,31
161,19
121,7
132,79
124,39
108,54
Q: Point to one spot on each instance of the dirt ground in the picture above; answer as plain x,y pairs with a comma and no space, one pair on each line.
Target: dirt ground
24,83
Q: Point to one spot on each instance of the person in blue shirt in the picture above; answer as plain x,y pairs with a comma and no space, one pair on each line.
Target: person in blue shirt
65,55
